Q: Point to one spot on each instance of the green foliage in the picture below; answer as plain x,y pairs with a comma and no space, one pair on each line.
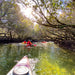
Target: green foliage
18,23
36,28
45,67
35,7
42,1
69,5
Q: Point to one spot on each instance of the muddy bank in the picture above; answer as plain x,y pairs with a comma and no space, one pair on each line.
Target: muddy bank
17,40
10,40
66,44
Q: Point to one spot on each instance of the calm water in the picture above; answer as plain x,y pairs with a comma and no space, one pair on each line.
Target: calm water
52,59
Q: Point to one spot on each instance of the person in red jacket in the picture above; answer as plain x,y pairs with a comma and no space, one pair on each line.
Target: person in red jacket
24,42
29,43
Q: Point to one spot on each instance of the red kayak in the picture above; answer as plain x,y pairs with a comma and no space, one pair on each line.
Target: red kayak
44,42
21,68
28,44
33,45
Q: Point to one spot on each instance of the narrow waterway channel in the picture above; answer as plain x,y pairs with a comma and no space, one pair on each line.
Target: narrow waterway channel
52,60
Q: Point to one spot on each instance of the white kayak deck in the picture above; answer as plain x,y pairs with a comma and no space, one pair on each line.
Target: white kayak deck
30,62
23,62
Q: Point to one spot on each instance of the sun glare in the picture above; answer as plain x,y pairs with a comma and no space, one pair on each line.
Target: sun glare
60,12
27,12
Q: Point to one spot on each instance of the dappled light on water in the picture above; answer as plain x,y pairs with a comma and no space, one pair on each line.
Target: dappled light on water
46,67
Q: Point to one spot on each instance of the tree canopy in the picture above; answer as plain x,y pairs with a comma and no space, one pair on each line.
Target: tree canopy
51,13
50,16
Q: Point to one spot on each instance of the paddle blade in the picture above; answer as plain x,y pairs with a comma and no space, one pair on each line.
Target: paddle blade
34,44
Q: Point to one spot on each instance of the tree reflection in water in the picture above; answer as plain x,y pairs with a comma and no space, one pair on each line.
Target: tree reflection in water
52,59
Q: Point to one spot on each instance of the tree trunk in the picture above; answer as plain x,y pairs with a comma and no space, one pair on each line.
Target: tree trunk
10,35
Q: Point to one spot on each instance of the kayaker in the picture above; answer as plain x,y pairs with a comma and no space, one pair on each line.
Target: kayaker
24,42
29,43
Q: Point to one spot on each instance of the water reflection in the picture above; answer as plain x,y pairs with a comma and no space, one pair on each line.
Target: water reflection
56,61
52,59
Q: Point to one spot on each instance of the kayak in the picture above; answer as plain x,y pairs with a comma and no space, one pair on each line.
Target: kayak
33,45
21,68
44,42
28,43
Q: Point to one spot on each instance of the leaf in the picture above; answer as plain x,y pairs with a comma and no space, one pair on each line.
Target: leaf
42,1
35,7
54,4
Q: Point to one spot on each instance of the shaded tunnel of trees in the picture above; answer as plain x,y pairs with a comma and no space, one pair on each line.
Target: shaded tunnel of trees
54,21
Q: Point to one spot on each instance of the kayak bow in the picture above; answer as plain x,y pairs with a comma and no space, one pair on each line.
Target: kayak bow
21,68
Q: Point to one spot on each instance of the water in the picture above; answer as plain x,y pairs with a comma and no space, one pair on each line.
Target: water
53,60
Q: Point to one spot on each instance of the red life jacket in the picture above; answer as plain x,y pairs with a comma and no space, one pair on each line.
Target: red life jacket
24,41
29,43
